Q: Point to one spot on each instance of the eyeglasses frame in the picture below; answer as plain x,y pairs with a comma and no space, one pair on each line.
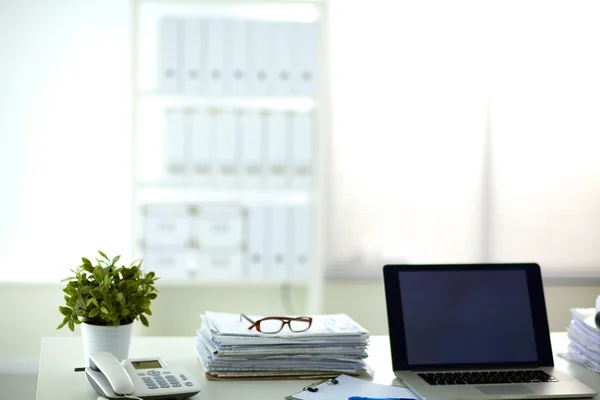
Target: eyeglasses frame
284,320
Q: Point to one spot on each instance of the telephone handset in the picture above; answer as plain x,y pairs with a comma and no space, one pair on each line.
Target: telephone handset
109,375
149,378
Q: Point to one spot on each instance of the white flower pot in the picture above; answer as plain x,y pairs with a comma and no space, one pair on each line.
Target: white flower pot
114,339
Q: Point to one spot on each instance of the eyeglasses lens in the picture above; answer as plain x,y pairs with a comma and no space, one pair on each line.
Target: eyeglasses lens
271,325
299,325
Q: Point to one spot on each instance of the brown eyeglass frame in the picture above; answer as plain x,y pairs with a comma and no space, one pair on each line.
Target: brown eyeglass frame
284,321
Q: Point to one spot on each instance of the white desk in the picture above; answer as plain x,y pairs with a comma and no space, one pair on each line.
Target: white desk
59,355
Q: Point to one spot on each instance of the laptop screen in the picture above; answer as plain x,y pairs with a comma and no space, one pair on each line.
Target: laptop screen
466,315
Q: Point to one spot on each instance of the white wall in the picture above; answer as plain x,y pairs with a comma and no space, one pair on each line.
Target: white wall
65,143
30,311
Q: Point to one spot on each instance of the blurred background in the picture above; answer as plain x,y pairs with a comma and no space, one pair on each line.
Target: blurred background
272,156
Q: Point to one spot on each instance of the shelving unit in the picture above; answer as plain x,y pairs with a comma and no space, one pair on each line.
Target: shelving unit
229,143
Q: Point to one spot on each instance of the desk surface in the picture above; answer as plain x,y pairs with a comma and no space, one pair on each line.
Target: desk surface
59,355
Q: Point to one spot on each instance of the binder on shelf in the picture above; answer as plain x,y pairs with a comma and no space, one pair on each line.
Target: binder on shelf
193,55
219,227
281,33
301,258
215,57
304,60
169,55
175,146
236,66
260,61
252,149
224,128
277,129
202,154
278,248
257,230
166,226
303,132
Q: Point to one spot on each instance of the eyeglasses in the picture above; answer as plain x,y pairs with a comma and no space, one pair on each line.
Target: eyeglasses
275,324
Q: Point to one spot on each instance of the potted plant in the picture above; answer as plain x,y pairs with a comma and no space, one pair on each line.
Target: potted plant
106,299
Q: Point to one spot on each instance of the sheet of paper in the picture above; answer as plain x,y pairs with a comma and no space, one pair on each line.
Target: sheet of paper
348,386
322,325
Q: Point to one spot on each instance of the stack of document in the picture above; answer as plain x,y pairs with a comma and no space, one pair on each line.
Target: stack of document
584,339
333,345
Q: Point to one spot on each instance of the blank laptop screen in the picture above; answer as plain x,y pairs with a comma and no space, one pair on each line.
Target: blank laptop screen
467,317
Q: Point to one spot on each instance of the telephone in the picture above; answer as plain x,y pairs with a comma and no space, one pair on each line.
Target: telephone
148,378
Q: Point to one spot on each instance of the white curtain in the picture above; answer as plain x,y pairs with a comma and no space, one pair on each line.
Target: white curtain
465,131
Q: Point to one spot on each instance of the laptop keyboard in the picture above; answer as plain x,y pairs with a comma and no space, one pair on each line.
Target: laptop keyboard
486,377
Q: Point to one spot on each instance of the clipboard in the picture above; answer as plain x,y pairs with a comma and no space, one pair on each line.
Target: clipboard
345,386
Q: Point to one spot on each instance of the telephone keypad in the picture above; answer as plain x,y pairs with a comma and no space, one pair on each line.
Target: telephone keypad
154,379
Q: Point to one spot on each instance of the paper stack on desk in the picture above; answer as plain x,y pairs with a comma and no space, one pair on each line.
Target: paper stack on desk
584,339
227,349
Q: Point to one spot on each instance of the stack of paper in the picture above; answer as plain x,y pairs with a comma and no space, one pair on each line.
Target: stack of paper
227,349
584,339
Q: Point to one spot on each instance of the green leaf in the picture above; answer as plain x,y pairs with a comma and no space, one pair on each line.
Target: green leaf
98,274
93,301
104,310
103,255
94,312
86,261
114,260
144,320
64,310
71,326
63,323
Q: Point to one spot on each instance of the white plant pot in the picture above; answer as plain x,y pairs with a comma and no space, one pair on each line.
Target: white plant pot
114,339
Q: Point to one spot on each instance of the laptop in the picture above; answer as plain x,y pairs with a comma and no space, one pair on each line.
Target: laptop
473,331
